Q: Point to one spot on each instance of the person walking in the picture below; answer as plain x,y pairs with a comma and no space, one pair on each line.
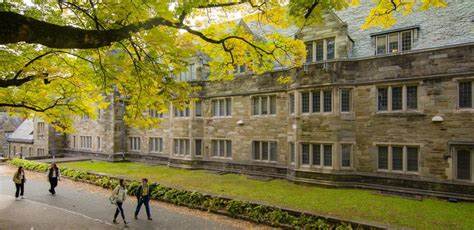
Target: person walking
143,197
54,177
19,180
118,197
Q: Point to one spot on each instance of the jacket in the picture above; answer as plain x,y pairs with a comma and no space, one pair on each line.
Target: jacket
120,193
17,177
139,192
50,173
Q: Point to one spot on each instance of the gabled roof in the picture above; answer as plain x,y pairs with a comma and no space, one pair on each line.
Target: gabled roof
261,30
24,133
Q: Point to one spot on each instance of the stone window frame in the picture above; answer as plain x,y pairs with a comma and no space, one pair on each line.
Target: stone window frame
455,149
352,144
201,107
155,114
219,99
325,53
386,37
85,142
30,151
458,81
160,144
41,129
321,152
269,108
194,147
238,69
321,92
292,103
188,75
181,114
226,153
351,99
404,109
98,143
134,143
269,142
186,144
39,152
292,152
404,157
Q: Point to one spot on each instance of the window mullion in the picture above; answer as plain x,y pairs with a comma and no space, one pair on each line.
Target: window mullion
389,99
390,160
404,98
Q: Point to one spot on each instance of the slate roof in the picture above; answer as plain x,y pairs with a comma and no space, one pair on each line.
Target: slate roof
24,133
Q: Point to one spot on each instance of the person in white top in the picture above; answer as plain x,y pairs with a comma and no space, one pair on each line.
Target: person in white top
118,197
54,177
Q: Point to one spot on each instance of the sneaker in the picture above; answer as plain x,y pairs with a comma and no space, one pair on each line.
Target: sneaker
16,198
136,217
114,221
149,218
23,197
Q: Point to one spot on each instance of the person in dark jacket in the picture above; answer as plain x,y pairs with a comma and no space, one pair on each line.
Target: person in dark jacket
143,197
54,177
19,180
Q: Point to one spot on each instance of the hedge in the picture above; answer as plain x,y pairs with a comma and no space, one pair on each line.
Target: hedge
258,213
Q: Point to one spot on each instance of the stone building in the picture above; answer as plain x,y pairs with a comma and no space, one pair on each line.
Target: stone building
383,109
8,125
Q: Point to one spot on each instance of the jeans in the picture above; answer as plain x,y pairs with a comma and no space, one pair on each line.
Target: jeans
119,209
20,188
146,201
53,181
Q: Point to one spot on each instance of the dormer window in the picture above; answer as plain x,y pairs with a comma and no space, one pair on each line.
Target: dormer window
320,50
239,69
394,41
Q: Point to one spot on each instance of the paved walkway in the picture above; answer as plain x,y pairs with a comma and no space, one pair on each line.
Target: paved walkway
83,206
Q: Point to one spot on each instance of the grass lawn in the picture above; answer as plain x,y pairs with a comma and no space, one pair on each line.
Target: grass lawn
353,204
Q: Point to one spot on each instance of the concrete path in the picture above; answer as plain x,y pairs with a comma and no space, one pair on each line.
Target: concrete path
83,206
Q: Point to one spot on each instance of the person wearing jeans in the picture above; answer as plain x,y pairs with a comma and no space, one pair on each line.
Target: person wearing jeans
19,180
119,194
143,197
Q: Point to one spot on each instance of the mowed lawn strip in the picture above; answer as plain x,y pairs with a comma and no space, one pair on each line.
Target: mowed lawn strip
355,204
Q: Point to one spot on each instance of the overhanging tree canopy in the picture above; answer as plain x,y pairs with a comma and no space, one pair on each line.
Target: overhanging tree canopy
58,58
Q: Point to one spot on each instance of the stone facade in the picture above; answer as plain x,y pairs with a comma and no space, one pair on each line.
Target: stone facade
390,122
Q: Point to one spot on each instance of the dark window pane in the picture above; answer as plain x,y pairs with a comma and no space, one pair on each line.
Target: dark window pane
381,44
265,151
345,100
393,43
292,103
465,94
309,51
397,158
228,107
406,40
327,99
272,104
256,105
316,102
305,102
215,148
397,98
215,108
382,99
412,97
222,107
198,147
412,159
292,152
383,157
241,68
229,148
327,155
464,166
198,109
305,154
319,50
221,148
346,155
273,151
264,105
256,150
330,48
316,154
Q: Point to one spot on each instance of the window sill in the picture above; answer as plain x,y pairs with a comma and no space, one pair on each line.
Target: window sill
400,113
464,110
221,117
265,161
264,116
